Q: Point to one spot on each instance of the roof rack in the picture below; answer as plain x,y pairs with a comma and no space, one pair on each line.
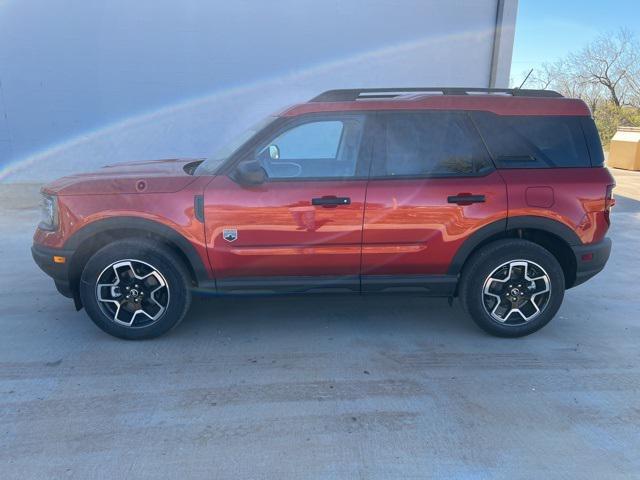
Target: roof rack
348,95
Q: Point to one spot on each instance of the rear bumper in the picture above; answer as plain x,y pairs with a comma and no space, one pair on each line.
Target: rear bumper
590,259
43,256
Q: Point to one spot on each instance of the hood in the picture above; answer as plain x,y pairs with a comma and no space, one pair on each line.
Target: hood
148,176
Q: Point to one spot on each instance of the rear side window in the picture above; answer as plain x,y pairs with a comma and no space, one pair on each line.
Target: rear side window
438,144
534,142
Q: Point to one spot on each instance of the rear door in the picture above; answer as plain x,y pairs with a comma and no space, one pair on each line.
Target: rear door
302,229
432,185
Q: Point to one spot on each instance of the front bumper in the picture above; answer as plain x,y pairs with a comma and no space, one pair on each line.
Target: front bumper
590,259
43,257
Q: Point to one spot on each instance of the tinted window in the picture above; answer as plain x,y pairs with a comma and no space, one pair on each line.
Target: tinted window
533,142
593,141
325,148
429,144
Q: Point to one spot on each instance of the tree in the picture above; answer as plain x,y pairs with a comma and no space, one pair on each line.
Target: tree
609,63
561,77
605,74
607,68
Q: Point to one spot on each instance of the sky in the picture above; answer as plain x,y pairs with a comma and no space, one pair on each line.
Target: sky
549,29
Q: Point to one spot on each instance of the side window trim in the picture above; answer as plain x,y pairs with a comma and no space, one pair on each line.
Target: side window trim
592,140
492,162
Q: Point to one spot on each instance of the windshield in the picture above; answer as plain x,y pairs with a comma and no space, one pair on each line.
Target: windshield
212,163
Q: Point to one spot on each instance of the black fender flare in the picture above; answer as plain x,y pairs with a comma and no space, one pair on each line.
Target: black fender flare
504,225
546,224
136,223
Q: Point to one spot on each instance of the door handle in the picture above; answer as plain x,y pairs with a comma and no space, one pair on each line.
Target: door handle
466,199
330,201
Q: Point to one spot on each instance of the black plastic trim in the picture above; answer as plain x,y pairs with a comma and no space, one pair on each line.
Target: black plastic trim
585,269
43,256
511,223
546,224
288,285
136,223
346,95
198,208
331,201
470,245
430,285
466,199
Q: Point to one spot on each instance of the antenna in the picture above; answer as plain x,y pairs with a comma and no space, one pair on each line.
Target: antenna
525,79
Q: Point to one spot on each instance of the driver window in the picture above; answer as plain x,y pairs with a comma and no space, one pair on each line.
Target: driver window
318,149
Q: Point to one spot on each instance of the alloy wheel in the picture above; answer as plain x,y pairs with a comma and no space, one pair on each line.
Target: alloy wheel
516,292
132,293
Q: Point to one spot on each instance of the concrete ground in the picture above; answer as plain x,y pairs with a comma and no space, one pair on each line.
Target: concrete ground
321,387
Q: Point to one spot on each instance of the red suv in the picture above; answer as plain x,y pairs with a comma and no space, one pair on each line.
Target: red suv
498,197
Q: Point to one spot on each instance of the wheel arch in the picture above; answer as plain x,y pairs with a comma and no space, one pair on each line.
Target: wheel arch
551,234
86,241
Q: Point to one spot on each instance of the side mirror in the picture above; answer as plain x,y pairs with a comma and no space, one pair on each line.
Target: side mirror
274,152
251,172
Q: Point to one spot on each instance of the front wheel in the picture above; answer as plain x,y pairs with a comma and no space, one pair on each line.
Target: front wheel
135,289
512,288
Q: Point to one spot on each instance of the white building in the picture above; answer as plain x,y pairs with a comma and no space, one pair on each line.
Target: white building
119,80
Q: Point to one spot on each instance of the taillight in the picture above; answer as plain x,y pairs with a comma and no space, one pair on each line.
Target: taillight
609,201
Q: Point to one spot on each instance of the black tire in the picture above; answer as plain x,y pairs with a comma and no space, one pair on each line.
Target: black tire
174,298
491,260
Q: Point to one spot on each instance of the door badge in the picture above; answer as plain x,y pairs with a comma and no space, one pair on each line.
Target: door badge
230,234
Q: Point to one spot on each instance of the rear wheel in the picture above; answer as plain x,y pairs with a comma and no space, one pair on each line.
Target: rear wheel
135,289
512,288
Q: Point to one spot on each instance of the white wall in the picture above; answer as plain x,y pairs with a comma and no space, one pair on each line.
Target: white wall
115,81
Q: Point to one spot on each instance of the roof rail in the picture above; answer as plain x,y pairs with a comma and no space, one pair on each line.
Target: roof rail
348,95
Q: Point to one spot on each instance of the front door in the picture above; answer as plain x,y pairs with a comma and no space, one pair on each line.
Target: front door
301,229
432,185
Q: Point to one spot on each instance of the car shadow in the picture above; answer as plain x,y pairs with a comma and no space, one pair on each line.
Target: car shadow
314,314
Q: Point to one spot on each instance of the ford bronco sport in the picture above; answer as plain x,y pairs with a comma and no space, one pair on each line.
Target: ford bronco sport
497,197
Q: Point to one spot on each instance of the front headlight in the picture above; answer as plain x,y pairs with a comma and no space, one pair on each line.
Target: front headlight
49,212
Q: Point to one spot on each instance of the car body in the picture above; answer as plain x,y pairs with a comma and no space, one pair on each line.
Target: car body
362,191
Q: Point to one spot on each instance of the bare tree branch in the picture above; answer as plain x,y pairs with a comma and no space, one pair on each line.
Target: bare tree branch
610,63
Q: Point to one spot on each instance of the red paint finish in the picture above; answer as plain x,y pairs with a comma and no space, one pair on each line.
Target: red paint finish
403,213
578,201
153,176
409,228
174,210
279,232
542,197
